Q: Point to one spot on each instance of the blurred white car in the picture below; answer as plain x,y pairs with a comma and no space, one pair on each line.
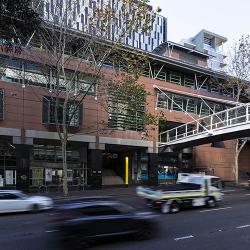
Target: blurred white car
17,201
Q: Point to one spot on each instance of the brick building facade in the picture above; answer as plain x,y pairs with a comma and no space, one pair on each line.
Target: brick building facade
30,149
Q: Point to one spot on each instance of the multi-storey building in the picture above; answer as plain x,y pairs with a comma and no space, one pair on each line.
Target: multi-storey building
211,44
182,84
82,11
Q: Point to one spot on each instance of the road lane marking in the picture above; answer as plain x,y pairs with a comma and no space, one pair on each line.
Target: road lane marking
214,209
230,190
51,231
247,194
184,238
244,226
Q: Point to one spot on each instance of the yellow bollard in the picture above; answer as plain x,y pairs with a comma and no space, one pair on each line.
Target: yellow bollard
126,170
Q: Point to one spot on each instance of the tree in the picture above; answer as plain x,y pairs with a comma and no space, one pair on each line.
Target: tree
18,20
238,81
73,63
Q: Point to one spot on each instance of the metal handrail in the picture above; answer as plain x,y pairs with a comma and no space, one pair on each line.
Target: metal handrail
227,118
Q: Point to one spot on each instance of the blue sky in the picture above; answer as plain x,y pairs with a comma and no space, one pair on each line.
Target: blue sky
229,18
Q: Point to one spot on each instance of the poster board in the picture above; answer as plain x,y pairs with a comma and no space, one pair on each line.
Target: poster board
9,177
48,174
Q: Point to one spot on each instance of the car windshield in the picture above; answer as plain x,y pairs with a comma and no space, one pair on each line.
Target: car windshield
191,179
23,195
124,208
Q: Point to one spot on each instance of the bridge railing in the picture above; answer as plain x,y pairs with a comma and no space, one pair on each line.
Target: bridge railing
206,125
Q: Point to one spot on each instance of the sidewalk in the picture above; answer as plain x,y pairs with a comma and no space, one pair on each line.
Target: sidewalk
115,192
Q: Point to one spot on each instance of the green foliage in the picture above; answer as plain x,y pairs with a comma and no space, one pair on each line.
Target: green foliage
128,99
158,9
239,68
128,16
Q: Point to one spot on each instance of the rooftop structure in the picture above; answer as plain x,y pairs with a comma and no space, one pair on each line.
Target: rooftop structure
210,44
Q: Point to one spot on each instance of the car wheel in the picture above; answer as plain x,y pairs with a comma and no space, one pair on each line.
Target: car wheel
211,202
35,208
175,207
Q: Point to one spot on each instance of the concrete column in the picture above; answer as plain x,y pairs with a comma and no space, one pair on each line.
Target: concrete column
153,169
23,166
138,163
95,166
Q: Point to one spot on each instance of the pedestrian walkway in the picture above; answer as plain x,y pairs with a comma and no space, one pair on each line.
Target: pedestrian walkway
115,192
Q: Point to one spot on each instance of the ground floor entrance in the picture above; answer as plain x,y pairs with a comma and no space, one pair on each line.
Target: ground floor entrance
39,166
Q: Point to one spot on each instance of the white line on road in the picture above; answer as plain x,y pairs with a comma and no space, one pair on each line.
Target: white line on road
184,238
50,231
214,209
244,226
247,194
230,190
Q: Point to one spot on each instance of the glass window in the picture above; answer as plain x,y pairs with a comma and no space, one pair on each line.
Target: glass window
178,103
175,78
73,112
99,210
3,196
205,110
1,104
7,196
184,103
122,116
208,41
163,101
192,106
189,82
37,176
124,208
215,89
216,182
204,87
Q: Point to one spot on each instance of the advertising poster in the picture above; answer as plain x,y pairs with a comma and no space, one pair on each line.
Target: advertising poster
1,181
48,174
9,177
70,175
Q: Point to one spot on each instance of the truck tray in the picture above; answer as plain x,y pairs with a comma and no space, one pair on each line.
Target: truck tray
177,187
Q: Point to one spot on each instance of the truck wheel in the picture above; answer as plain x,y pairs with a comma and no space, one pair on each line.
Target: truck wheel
175,207
211,202
165,208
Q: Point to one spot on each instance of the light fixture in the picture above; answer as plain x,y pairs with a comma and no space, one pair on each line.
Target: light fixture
23,85
50,90
11,145
210,133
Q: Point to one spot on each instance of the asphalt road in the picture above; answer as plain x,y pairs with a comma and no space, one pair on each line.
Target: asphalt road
226,227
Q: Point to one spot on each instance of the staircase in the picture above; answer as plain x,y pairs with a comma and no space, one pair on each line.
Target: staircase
109,177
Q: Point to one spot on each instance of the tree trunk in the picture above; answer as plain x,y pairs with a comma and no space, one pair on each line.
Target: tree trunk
236,168
238,148
65,168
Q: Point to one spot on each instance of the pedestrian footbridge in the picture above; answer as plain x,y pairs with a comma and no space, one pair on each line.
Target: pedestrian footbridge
225,125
